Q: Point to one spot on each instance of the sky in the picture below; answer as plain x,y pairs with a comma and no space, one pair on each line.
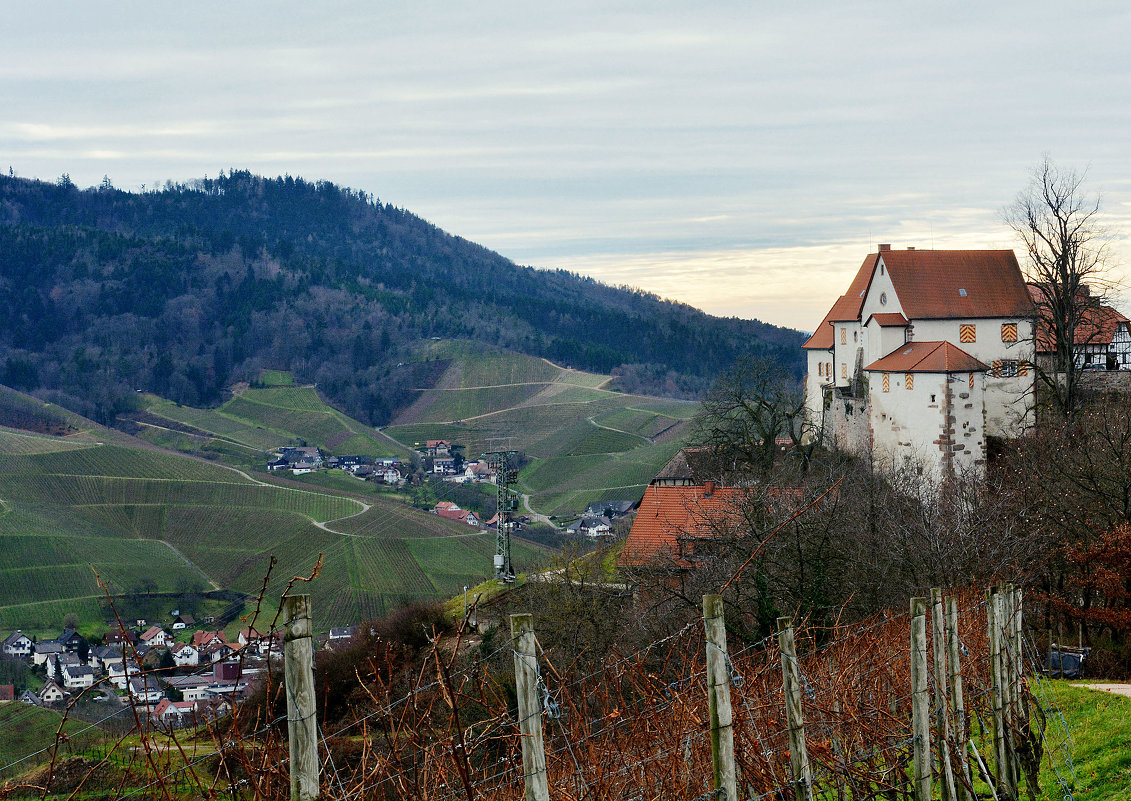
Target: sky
742,157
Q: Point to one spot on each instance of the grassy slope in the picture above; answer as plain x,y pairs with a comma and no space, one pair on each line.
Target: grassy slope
587,443
1100,724
261,419
75,505
25,729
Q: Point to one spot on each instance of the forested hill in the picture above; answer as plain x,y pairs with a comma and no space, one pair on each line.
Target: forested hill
185,290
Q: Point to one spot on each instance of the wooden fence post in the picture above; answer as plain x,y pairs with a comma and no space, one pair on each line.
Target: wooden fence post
993,628
957,703
718,698
920,701
298,678
942,681
795,722
529,710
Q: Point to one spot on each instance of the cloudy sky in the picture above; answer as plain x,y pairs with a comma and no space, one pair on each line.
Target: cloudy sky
739,156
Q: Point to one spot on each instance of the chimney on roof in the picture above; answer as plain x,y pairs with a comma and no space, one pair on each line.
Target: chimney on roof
884,248
910,248
708,488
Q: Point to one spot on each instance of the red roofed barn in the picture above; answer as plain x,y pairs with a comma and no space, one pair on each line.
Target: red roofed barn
926,354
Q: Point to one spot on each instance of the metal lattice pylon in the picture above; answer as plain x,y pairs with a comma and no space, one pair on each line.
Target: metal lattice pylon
506,502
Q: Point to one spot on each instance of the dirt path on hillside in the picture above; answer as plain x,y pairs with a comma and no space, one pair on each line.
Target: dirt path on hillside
188,562
541,518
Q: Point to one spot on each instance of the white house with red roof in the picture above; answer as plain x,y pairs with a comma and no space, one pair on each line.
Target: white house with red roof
156,637
927,354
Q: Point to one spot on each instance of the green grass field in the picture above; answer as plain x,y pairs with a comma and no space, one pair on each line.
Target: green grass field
26,729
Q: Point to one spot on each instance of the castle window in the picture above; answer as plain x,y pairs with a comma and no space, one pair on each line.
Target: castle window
883,298
967,333
1007,368
1009,332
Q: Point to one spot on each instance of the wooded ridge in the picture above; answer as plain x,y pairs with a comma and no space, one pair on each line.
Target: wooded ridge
185,290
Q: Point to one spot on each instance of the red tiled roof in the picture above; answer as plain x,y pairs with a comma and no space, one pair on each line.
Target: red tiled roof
1097,326
668,512
445,506
927,357
847,306
889,320
151,632
454,514
942,284
928,284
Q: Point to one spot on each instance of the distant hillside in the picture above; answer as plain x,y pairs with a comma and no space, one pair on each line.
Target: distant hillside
185,291
150,521
584,442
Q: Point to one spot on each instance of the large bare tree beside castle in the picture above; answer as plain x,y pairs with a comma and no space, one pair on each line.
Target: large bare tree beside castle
1066,244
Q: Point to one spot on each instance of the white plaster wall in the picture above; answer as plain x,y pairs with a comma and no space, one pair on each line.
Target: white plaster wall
814,403
907,422
1009,401
882,341
846,353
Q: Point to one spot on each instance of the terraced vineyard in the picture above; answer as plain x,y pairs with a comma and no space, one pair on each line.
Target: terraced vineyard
586,443
262,419
70,509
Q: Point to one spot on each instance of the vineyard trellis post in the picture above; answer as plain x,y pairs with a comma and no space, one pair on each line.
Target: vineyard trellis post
942,685
795,722
957,702
920,701
718,698
298,676
526,676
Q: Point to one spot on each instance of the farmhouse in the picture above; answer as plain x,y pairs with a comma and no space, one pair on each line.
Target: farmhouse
925,356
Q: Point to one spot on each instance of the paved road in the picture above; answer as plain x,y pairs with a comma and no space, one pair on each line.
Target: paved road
1118,689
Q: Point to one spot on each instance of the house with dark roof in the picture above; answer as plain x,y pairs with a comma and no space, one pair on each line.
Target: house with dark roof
17,644
927,354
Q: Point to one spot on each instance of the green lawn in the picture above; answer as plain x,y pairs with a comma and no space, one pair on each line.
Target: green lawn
1100,726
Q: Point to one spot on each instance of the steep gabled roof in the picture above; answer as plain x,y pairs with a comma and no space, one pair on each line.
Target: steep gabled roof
847,306
927,357
947,284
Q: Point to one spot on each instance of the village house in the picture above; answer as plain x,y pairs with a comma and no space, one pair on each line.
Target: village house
71,640
45,650
50,693
450,511
17,644
156,637
120,672
173,714
444,465
182,621
437,447
592,527
202,639
101,656
77,677
925,356
610,510
186,656
145,690
56,663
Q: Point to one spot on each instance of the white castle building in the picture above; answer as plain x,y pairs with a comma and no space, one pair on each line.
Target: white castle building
926,355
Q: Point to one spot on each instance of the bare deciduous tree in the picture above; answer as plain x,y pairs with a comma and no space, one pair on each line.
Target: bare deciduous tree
747,410
1066,248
